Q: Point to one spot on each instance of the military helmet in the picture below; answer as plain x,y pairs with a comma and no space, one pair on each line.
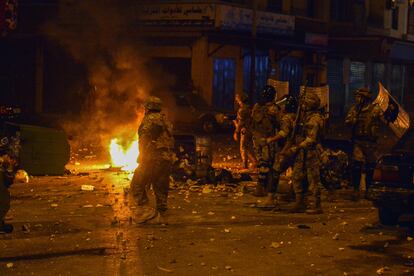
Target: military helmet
153,103
312,101
242,97
364,92
291,104
268,94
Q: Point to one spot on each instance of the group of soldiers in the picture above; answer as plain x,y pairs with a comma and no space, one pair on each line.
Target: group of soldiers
276,136
282,136
273,136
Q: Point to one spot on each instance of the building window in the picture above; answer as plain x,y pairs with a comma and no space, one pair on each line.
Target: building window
378,75
336,85
356,80
262,70
290,69
396,82
224,70
411,20
394,18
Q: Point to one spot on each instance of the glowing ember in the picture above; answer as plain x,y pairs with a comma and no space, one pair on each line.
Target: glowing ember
124,158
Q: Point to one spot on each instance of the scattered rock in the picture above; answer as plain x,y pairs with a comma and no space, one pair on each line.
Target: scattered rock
276,245
87,187
382,270
9,265
336,237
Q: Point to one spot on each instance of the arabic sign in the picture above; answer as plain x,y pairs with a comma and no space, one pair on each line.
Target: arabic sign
393,112
241,19
177,14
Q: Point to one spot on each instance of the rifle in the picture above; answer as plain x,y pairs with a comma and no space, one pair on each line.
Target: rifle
286,155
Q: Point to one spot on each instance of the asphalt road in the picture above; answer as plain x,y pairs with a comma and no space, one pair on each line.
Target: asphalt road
62,230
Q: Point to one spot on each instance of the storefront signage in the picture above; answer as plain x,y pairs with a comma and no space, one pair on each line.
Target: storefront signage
241,19
177,14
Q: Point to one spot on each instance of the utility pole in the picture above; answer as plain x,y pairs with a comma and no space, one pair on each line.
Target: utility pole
253,52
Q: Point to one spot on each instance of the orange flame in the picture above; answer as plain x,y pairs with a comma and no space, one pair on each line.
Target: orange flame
124,157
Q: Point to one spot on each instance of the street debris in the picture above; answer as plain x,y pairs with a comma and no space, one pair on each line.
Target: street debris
336,237
409,238
382,270
9,265
276,244
87,187
165,269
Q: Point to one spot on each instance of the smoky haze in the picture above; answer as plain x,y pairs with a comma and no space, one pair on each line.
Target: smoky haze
96,34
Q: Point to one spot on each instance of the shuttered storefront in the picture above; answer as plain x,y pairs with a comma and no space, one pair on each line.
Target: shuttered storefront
336,87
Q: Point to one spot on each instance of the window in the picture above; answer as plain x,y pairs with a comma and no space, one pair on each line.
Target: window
262,66
394,19
411,20
356,80
291,70
378,75
337,87
224,70
397,81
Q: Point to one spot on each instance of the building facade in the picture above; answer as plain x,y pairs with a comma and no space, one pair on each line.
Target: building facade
208,46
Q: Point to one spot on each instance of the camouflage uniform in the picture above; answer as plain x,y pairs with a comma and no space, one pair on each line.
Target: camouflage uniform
365,119
156,154
286,126
242,132
306,164
9,152
265,120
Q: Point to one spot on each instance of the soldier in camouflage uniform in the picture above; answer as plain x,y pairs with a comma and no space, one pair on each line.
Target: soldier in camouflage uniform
265,121
9,152
306,163
364,117
242,132
286,126
156,145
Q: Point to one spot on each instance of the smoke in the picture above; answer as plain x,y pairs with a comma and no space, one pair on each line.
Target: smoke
96,34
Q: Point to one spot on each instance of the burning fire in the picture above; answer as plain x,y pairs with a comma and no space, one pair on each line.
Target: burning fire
124,157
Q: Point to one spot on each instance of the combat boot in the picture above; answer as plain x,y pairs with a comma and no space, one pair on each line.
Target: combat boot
269,202
260,191
160,218
299,206
145,214
316,208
